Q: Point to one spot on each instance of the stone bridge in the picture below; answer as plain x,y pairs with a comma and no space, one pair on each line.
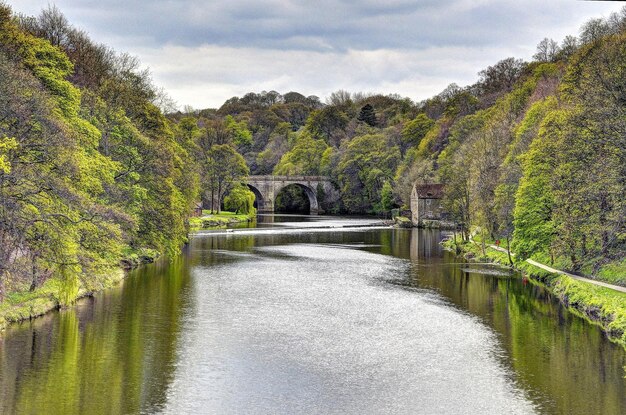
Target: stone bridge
266,188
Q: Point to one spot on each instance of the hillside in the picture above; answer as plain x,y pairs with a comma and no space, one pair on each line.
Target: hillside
92,172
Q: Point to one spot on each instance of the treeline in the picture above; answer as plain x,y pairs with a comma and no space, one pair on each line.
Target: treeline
91,170
533,153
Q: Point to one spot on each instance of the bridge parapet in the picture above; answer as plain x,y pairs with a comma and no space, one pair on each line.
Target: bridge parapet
289,178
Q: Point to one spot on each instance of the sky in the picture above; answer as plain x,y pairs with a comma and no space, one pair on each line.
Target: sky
203,52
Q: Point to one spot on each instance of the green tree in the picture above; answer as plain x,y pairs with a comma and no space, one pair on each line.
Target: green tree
386,197
240,199
365,165
224,168
415,130
328,124
368,115
238,131
305,158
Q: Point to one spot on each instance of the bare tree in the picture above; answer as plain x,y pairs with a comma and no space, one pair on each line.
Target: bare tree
547,50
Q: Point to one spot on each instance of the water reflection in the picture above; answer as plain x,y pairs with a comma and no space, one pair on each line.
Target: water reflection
319,321
111,354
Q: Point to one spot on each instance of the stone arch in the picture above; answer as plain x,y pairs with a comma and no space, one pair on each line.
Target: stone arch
311,194
259,200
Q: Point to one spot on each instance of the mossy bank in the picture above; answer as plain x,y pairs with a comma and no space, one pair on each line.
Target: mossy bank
218,220
22,304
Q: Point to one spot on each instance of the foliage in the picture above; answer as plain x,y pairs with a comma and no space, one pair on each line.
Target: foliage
368,115
90,166
240,200
386,197
223,169
305,158
415,130
83,175
367,163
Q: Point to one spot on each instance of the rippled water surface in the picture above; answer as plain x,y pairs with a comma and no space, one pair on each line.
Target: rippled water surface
311,317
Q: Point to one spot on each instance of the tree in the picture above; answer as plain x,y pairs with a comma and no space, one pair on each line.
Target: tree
415,130
240,199
534,227
499,79
365,165
328,124
238,132
224,168
547,50
340,98
386,197
304,158
367,115
568,46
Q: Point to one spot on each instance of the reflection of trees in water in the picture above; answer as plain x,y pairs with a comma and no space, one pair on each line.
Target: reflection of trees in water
117,355
89,360
555,354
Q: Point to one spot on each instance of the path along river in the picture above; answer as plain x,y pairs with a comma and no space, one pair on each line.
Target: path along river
291,318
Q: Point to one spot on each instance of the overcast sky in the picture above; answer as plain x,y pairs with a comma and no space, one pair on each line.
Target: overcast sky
204,52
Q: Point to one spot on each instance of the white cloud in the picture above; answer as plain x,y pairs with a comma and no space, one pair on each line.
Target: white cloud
204,52
210,74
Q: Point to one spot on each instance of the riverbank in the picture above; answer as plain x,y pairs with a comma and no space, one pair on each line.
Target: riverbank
598,304
22,305
218,220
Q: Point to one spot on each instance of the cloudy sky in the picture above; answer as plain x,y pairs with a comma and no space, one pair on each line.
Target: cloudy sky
204,52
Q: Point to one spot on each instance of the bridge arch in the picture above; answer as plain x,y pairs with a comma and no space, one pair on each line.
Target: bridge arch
266,188
259,201
310,193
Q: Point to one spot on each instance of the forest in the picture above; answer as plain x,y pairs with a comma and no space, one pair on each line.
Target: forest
98,165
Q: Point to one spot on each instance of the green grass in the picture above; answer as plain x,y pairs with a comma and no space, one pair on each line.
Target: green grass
599,305
612,272
24,305
224,218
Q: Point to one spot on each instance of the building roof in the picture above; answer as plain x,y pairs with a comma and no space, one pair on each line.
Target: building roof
428,191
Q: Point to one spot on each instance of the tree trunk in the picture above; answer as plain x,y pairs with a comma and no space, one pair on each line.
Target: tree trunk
508,250
219,198
33,281
1,286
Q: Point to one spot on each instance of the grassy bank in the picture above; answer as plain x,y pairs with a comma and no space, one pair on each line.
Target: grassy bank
602,306
599,269
217,220
22,304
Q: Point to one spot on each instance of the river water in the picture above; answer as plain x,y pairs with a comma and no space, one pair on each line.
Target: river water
303,316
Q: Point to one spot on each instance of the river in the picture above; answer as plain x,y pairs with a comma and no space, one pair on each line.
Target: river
305,316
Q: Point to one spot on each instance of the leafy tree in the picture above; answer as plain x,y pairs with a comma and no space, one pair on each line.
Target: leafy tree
305,158
328,124
386,197
365,165
240,199
368,115
415,130
238,131
534,227
223,169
